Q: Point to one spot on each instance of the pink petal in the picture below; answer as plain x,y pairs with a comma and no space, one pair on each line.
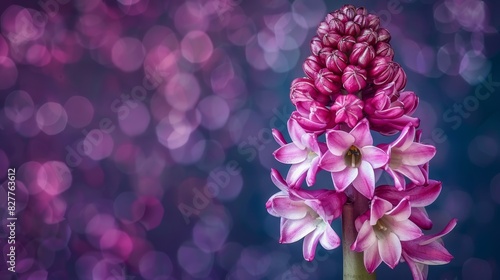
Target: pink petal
339,142
372,258
294,230
430,254
399,180
342,179
431,238
402,211
331,162
375,156
361,133
405,230
278,180
287,208
413,173
297,172
420,218
278,137
418,154
290,154
329,239
365,181
390,249
405,139
310,244
296,132
313,170
421,196
417,269
378,209
311,142
365,239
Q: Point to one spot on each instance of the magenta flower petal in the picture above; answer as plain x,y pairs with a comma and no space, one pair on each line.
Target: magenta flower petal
339,141
365,181
329,239
405,230
361,133
399,179
332,163
413,173
405,139
296,132
313,170
402,211
378,209
283,206
290,154
420,217
418,154
371,258
297,172
390,249
375,156
278,180
310,244
342,179
278,137
294,230
365,239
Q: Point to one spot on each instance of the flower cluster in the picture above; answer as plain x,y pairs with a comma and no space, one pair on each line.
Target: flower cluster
352,87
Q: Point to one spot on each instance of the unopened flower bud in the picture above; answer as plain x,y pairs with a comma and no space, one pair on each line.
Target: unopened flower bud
336,62
316,45
400,78
362,54
327,82
336,26
354,78
383,35
323,29
373,21
382,71
362,11
384,49
312,66
345,44
331,40
349,11
368,36
352,28
360,20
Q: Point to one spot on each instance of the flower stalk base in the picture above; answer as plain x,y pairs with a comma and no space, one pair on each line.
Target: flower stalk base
354,268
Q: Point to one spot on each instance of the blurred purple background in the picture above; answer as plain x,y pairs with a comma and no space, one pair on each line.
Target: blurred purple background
140,133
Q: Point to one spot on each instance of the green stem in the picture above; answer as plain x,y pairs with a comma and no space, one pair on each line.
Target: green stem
354,268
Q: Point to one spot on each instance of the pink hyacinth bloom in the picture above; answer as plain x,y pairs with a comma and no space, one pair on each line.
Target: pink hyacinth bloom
419,196
425,251
303,153
381,230
352,158
406,158
306,214
348,109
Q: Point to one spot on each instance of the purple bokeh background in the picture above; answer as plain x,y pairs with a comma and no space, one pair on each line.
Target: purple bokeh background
140,131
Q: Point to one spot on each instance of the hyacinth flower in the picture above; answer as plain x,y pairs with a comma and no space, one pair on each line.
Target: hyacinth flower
425,251
380,233
351,159
419,197
303,153
352,88
406,158
306,215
